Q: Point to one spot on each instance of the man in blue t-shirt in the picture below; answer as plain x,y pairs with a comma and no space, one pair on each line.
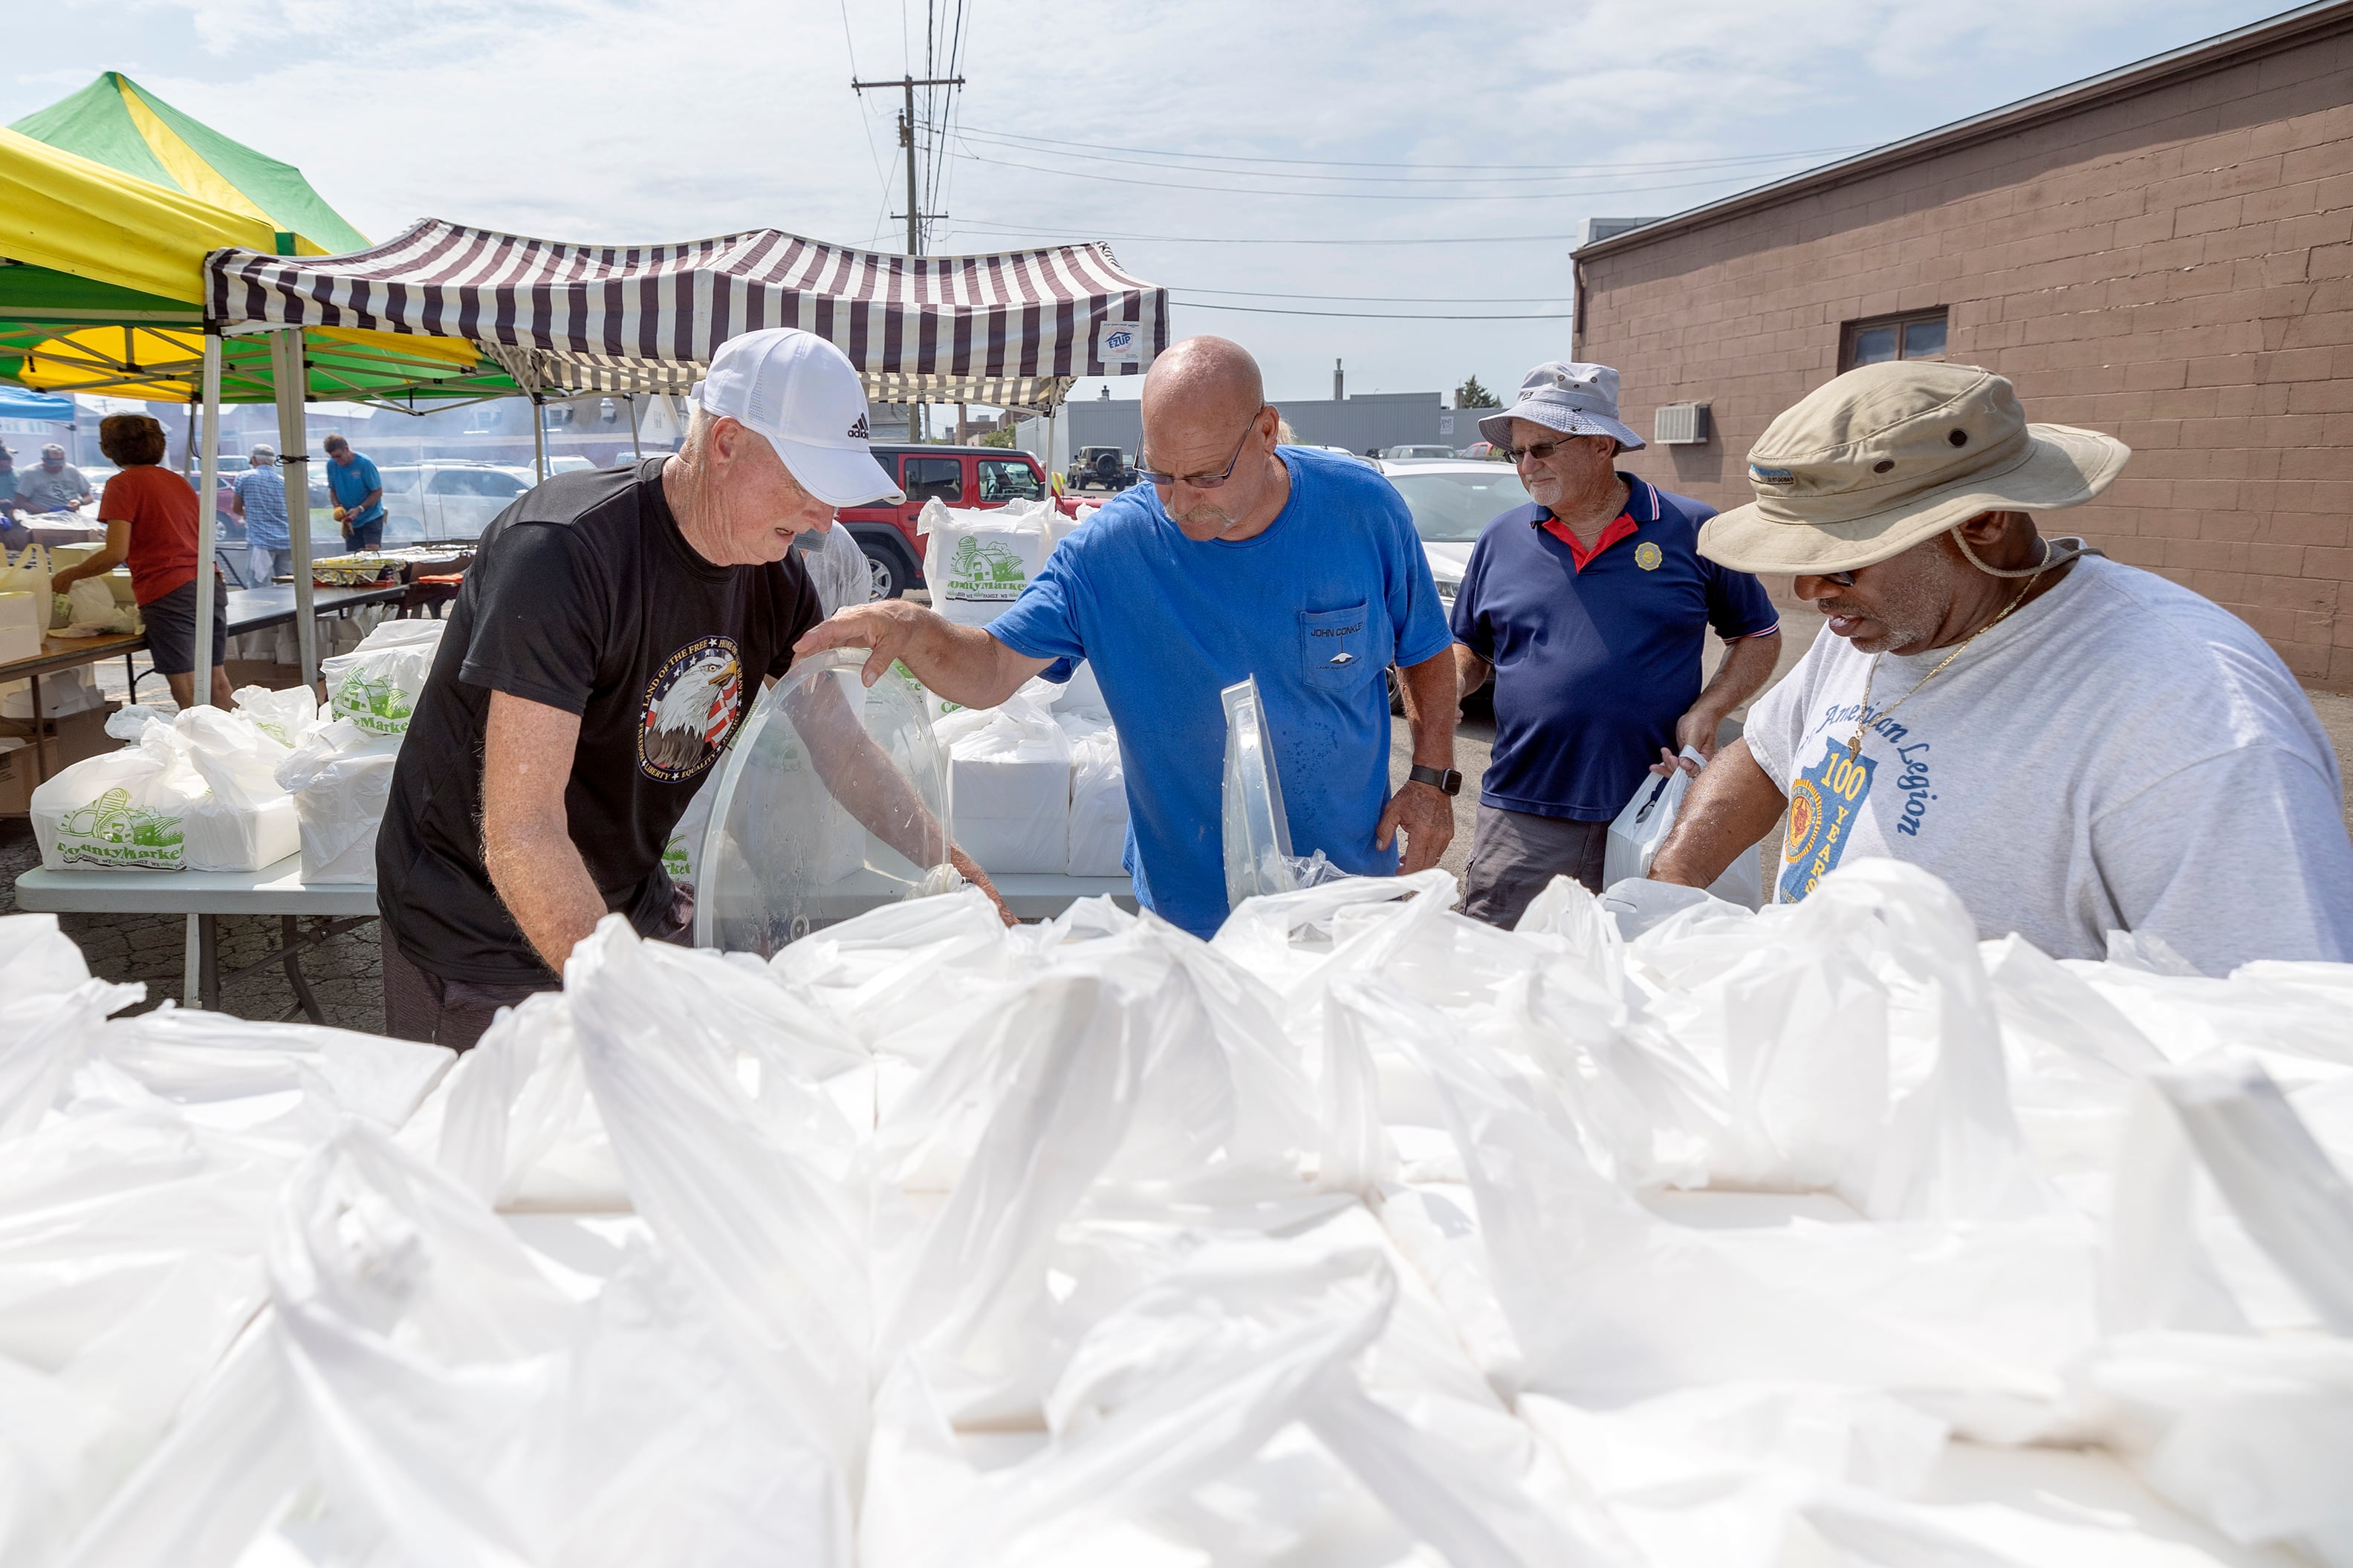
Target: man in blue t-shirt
1237,558
358,491
1591,606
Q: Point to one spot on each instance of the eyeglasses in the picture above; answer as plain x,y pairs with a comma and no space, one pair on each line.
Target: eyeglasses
1204,481
1839,579
1539,450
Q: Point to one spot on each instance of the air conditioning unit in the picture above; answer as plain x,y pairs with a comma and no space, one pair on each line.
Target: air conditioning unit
1680,425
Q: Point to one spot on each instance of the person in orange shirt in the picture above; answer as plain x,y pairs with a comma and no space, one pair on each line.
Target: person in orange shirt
150,514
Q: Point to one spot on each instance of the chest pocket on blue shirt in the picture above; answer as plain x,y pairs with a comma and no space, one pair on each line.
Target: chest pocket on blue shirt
1337,648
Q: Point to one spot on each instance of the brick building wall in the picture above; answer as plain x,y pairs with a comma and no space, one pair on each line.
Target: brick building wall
2173,265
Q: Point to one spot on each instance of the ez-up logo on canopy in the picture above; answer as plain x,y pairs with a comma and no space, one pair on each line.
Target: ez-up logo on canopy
110,831
379,707
991,571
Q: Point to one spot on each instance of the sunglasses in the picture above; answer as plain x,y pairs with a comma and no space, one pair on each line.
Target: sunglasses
1159,480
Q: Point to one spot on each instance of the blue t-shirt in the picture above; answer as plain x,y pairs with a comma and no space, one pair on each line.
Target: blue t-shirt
263,494
1318,606
1593,668
352,482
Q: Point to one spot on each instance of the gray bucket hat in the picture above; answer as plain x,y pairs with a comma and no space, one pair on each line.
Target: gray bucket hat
1574,399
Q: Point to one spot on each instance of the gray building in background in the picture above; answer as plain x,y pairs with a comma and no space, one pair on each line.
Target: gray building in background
1370,419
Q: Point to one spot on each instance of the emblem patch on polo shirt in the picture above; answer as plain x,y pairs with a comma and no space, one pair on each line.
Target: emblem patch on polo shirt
1646,556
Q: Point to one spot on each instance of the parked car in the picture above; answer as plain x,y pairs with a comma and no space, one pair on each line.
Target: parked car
438,498
1452,503
1484,452
1356,456
1411,450
982,478
1104,468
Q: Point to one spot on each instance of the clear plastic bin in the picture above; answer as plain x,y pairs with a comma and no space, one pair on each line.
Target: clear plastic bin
1257,828
832,800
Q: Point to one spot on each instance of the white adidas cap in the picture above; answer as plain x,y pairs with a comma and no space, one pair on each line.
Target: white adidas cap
804,396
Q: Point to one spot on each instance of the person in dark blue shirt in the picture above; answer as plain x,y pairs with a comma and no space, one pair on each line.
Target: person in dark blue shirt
1237,557
359,492
1590,606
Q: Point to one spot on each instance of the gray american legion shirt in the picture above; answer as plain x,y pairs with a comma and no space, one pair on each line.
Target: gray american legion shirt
2120,754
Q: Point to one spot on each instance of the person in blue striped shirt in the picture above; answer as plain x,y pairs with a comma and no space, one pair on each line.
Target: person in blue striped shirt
260,498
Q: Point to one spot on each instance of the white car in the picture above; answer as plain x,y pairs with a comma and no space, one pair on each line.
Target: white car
1452,499
444,499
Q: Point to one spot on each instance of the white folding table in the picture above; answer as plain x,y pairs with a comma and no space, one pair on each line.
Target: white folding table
203,897
339,906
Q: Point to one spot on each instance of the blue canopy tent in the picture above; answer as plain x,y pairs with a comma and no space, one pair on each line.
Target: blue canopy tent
16,402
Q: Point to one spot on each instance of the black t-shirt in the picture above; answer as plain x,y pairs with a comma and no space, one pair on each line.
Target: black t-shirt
582,596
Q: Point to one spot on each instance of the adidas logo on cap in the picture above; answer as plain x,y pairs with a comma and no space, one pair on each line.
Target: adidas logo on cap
858,431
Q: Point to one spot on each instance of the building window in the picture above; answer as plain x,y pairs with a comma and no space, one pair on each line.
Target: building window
1920,335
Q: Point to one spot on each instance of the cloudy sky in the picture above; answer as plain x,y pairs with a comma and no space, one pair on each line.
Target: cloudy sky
1383,157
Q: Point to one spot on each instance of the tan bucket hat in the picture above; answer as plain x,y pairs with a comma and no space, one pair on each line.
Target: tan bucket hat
1890,455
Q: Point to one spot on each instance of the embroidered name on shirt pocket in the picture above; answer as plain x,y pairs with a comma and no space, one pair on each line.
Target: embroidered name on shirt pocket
1335,647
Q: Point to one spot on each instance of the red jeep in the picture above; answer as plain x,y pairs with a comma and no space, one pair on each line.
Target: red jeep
975,476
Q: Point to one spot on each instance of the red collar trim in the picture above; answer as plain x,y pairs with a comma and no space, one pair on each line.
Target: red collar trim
1580,556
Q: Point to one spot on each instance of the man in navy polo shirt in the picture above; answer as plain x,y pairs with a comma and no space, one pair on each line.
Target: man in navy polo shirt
1591,606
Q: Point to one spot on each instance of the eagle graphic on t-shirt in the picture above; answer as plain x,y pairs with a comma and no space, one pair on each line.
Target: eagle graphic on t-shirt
690,715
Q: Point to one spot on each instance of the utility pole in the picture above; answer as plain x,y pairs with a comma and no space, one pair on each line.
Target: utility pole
914,214
908,84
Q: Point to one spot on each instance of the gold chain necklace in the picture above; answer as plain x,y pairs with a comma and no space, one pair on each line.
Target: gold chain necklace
1866,719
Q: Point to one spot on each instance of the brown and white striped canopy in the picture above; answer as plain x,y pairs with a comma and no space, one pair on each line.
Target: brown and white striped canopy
1011,329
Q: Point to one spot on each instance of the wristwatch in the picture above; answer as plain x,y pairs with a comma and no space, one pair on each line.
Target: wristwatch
1446,781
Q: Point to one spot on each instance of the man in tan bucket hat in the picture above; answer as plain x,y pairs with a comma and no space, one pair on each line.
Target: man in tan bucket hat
2074,746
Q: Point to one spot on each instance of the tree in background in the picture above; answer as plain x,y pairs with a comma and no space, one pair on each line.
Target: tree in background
1470,395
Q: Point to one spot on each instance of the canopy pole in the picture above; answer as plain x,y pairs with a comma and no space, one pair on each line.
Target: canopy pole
291,377
538,439
208,524
635,445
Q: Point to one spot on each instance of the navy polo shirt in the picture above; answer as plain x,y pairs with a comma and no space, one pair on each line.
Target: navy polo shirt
1594,667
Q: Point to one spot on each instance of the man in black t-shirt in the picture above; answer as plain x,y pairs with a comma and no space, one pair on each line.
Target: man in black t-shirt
607,641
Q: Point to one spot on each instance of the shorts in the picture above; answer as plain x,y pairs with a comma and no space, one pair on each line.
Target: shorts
1514,855
262,564
366,535
172,628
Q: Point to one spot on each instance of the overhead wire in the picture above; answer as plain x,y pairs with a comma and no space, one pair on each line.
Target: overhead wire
866,124
1370,315
1349,195
1064,234
1726,164
1056,143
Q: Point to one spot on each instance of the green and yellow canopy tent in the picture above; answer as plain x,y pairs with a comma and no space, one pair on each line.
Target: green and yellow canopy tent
110,200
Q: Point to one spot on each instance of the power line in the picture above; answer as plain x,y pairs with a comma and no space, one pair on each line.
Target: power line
1051,143
1361,315
1384,298
1346,196
1728,164
1063,236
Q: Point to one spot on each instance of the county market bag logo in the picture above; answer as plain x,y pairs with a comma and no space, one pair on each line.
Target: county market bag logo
378,704
110,831
991,571
691,706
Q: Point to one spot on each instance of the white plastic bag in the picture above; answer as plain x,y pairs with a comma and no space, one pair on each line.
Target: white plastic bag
1098,836
245,820
977,563
1643,826
286,717
93,609
1009,791
376,685
125,810
340,777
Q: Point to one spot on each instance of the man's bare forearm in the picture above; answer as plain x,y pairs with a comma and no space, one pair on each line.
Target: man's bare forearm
1471,672
527,751
1732,804
1431,698
963,664
543,882
1746,666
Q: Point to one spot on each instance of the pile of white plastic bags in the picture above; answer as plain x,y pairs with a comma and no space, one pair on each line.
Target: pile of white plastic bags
1363,1235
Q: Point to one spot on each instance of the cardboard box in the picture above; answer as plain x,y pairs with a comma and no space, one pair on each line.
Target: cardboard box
71,737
